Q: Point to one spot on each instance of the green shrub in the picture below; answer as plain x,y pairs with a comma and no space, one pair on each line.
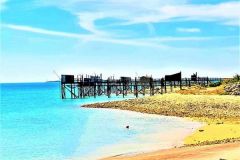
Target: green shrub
215,84
235,79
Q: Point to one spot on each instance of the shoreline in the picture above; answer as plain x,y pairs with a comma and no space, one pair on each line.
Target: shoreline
222,119
228,151
151,138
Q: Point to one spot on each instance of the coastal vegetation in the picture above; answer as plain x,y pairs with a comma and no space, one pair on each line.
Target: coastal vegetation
232,86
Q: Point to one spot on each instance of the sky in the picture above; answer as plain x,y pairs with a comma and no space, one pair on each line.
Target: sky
118,38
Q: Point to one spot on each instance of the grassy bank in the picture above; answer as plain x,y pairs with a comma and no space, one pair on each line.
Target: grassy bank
220,112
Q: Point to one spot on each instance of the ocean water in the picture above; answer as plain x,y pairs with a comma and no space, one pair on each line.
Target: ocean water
36,124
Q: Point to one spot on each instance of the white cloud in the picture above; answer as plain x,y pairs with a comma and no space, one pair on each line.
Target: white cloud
190,30
224,13
86,37
44,31
135,11
89,12
86,21
149,42
130,12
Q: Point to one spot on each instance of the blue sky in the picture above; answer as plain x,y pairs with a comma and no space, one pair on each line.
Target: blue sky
127,37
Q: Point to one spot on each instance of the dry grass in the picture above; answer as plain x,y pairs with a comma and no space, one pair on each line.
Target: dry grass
198,90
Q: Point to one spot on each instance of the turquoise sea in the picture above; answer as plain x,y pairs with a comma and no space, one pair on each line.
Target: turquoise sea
36,124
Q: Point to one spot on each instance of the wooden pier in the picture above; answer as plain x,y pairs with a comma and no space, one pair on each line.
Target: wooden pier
91,86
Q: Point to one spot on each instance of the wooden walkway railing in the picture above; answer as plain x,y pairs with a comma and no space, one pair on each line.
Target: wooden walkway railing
81,87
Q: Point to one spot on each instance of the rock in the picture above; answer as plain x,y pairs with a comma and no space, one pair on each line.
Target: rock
233,88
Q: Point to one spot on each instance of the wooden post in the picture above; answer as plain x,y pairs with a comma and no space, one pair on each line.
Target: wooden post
136,87
162,84
63,91
108,89
99,89
123,89
81,87
162,89
143,88
165,85
74,91
71,92
83,91
131,87
78,90
94,89
171,86
151,87
181,84
126,88
116,88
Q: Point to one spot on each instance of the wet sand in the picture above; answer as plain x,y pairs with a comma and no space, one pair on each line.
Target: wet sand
229,151
154,132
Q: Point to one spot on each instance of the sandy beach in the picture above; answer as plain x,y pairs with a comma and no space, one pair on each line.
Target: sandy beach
229,151
218,137
154,132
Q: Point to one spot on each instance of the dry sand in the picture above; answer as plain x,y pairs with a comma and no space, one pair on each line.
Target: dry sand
229,151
